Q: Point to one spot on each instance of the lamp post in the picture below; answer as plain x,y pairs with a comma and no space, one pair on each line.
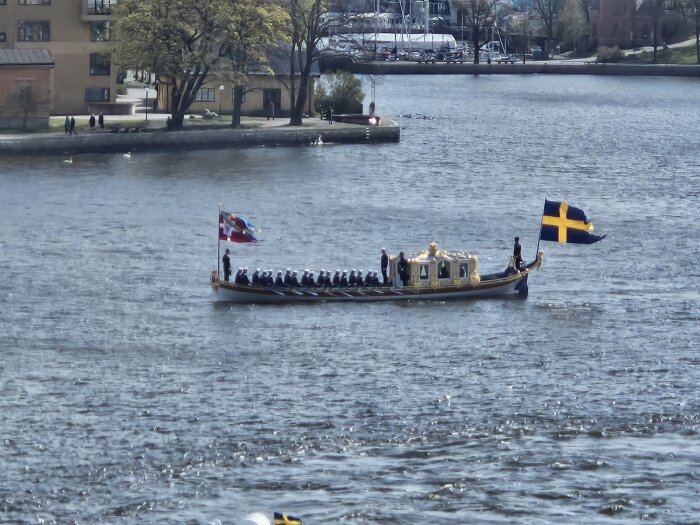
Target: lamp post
221,97
146,104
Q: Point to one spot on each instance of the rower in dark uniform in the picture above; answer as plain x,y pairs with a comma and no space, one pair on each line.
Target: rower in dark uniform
256,276
321,281
336,278
225,259
279,281
288,277
262,280
327,279
517,254
305,278
294,280
237,279
344,279
244,277
359,281
310,279
352,280
270,278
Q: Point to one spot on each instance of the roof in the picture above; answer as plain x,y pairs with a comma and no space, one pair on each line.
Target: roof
25,57
278,61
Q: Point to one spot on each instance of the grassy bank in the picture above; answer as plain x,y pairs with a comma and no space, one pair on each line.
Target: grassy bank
680,55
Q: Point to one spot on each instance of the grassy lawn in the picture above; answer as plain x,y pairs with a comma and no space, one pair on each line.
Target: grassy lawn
681,55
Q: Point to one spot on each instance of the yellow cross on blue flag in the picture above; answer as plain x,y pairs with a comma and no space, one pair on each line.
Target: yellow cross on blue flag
566,224
284,519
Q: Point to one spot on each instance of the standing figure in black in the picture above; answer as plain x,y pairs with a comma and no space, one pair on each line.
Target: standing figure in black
101,121
72,126
517,255
92,121
385,265
403,269
227,264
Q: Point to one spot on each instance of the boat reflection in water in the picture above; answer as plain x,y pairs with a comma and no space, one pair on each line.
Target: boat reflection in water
434,274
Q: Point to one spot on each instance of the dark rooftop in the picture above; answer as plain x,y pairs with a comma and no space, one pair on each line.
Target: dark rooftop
25,57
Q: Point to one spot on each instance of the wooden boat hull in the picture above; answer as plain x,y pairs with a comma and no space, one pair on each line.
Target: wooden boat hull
514,283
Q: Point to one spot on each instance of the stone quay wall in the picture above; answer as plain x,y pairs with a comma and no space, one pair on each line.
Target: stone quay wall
60,144
552,68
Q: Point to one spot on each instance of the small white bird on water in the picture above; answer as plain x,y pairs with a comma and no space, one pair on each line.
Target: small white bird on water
69,160
127,155
318,141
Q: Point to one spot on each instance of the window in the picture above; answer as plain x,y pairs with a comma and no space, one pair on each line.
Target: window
34,2
33,31
97,95
444,270
100,7
3,36
100,64
99,31
463,269
423,274
205,95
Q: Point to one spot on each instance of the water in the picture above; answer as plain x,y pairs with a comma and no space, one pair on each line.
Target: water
128,397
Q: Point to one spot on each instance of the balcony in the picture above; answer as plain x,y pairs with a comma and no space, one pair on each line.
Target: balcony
98,9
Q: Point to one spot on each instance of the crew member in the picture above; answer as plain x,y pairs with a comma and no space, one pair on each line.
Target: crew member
279,281
294,280
227,263
403,269
517,255
385,265
288,277
359,281
336,278
321,281
256,276
310,279
237,279
327,279
244,277
305,278
352,280
344,279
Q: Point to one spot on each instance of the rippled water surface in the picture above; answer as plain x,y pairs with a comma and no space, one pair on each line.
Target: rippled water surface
128,396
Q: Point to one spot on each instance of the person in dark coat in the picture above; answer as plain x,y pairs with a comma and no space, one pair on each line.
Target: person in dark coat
403,269
288,277
321,278
101,121
72,126
237,279
92,121
270,278
256,276
517,254
279,281
336,278
385,265
359,281
227,264
244,277
352,280
327,279
305,278
344,279
294,280
66,125
262,281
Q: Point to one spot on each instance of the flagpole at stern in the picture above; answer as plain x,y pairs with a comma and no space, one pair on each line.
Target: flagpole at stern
539,237
218,243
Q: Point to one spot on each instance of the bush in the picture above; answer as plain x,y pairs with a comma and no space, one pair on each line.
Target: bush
341,91
121,89
609,54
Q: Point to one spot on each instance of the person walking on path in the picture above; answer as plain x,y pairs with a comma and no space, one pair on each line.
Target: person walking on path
101,121
66,125
72,126
92,121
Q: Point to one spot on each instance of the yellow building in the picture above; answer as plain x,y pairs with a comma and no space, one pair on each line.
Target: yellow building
77,35
25,88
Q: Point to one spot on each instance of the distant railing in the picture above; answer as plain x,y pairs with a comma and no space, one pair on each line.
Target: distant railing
100,7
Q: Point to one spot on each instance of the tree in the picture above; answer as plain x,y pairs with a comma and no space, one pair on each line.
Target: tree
181,41
253,26
479,14
548,11
307,26
341,91
24,98
572,22
656,11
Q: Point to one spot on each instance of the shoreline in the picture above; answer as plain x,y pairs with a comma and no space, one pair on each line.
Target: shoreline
159,140
530,68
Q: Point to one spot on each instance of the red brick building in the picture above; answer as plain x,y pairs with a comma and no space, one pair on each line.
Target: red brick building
624,23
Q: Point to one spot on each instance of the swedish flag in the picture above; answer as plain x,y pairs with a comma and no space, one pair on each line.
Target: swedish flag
566,224
284,519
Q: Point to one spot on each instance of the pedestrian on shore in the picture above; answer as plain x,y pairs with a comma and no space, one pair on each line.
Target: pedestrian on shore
101,121
92,121
72,126
270,109
66,125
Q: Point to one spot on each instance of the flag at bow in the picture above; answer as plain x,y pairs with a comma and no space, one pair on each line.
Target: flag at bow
566,224
284,519
235,228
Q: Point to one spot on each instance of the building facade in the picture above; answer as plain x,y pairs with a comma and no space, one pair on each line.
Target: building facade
25,88
77,34
623,23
